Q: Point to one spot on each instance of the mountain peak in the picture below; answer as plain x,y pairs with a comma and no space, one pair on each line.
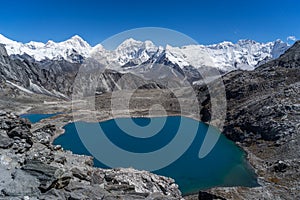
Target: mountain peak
76,37
226,43
149,43
246,41
169,47
5,40
97,49
77,41
137,43
129,42
279,41
50,43
221,45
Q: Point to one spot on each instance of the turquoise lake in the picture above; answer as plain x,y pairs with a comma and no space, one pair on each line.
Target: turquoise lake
225,165
34,118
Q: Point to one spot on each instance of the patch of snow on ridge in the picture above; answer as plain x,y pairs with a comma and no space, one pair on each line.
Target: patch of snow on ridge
20,87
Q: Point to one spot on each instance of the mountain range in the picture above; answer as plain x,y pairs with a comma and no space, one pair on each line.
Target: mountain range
226,56
50,68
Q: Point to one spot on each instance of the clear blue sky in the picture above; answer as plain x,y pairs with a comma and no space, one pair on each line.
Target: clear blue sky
208,21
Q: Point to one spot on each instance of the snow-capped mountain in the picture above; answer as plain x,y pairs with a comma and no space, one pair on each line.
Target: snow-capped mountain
245,54
136,51
51,68
70,50
225,56
128,54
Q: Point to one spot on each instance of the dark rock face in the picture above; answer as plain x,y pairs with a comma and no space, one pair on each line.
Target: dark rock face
38,77
280,166
90,82
264,103
208,196
30,167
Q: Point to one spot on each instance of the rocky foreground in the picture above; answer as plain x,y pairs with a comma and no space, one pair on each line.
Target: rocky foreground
32,168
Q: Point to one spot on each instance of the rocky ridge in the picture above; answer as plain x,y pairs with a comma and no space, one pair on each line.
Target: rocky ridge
263,117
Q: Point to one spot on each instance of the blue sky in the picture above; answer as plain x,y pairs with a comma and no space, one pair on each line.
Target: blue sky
205,21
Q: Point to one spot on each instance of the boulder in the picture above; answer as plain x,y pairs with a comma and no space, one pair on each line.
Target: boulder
49,176
5,141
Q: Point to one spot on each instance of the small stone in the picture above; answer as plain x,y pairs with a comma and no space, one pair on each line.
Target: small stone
57,147
26,198
5,160
60,159
80,174
2,113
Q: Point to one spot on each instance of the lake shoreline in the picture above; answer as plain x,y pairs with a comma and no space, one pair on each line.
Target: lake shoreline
62,119
60,129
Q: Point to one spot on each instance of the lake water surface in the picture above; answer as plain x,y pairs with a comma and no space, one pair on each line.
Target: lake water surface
34,118
225,165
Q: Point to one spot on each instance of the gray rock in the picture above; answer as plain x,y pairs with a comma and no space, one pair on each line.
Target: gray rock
23,184
98,177
18,132
83,191
5,141
2,113
4,125
80,174
49,176
60,159
53,194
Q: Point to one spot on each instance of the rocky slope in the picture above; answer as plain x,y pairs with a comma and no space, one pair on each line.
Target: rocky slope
263,117
32,168
27,75
56,77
